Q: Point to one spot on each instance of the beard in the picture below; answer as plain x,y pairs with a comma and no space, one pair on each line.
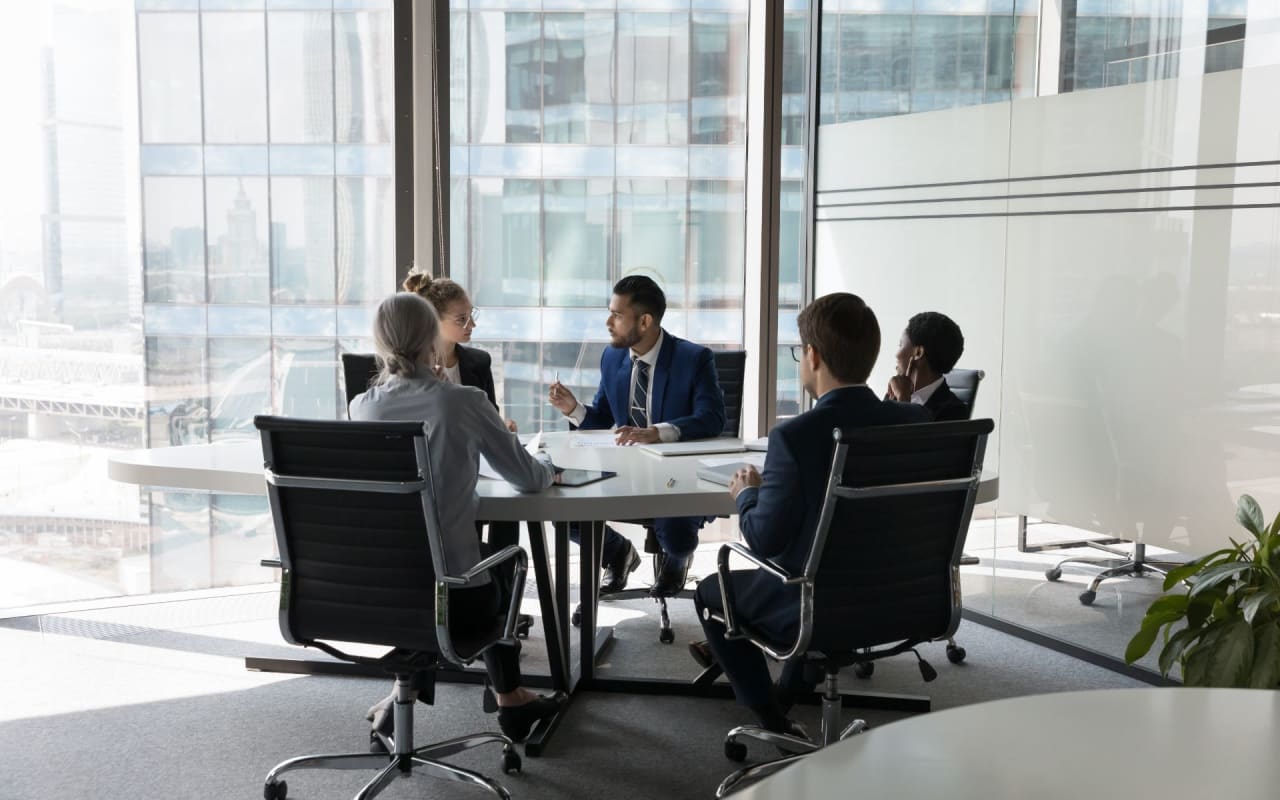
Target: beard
625,340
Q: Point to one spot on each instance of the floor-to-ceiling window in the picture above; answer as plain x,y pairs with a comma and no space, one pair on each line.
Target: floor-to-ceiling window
591,141
197,217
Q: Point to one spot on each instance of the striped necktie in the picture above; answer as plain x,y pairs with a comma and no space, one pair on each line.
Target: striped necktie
640,395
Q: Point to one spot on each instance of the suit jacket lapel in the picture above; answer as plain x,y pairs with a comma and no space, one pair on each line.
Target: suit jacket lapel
466,371
622,390
661,372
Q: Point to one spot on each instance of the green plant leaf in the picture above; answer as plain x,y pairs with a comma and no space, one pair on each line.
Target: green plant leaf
1171,602
1200,607
1231,657
1266,658
1183,571
1173,649
1256,601
1249,515
1155,619
1195,665
1217,574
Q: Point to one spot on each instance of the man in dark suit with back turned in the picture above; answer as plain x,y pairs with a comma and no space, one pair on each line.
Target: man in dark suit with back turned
778,511
654,387
929,349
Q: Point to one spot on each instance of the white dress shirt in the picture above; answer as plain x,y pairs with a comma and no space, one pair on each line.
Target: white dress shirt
921,396
461,427
666,431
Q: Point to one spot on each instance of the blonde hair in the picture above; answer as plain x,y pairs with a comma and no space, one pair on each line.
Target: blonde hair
441,292
405,328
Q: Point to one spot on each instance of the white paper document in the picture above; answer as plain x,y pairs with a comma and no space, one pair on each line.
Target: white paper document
696,447
602,439
754,459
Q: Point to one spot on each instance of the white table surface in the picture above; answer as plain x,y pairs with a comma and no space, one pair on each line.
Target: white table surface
1159,743
639,490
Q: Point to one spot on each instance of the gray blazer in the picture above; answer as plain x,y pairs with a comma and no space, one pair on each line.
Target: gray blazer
461,426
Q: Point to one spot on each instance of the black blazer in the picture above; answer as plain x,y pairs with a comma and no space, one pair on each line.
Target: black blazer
945,406
475,368
779,519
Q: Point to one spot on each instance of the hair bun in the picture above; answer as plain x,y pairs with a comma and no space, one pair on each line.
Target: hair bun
416,281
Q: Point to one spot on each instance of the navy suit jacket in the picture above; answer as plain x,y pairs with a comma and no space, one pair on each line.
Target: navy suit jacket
685,392
779,519
475,368
945,406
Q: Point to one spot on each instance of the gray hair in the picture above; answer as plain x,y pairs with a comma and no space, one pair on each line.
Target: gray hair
405,328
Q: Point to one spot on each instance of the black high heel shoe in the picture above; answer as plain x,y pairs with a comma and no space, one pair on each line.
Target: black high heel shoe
517,721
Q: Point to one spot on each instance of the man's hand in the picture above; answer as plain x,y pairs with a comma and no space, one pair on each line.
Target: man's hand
511,425
747,476
628,434
900,388
562,399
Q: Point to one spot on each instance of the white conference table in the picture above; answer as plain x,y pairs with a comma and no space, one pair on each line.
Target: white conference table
646,486
1170,743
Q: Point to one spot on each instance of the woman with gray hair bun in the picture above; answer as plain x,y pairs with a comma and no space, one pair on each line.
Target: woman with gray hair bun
464,426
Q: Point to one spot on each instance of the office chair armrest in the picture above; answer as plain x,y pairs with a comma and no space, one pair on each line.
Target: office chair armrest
726,587
517,584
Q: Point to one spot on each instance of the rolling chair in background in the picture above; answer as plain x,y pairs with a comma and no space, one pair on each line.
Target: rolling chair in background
731,366
362,558
880,577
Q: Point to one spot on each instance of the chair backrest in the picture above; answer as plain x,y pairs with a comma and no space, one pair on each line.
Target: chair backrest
898,503
355,517
731,369
964,385
358,372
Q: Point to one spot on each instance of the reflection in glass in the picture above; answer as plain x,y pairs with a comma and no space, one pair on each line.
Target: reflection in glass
577,86
300,51
366,242
177,407
505,242
578,216
651,233
718,64
239,385
305,378
169,77
717,243
653,78
237,236
179,541
173,221
241,534
302,240
235,78
363,80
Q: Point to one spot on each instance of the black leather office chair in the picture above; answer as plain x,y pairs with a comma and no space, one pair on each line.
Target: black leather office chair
964,385
363,560
731,366
880,577
358,372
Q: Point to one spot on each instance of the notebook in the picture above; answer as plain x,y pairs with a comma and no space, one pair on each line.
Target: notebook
699,447
721,473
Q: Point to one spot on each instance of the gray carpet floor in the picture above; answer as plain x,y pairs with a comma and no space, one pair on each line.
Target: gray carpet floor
152,701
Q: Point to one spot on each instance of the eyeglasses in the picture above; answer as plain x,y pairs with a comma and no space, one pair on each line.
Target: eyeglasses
797,350
461,320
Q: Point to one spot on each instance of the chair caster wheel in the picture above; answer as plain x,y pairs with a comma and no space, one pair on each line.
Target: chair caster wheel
376,745
576,618
735,751
955,653
1052,574
276,791
864,669
510,762
1087,597
666,636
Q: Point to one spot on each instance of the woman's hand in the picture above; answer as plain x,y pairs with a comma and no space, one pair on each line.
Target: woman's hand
511,425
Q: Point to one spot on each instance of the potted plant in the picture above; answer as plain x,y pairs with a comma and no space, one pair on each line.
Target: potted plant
1224,629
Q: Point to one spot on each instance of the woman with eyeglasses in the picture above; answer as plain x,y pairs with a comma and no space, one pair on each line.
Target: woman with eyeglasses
465,366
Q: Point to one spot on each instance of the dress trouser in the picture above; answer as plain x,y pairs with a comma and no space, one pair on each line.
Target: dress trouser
678,536
472,611
745,664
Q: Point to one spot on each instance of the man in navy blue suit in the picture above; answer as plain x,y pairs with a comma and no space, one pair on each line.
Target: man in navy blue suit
778,511
654,387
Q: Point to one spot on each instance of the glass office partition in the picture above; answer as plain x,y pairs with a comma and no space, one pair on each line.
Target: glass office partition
1089,193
